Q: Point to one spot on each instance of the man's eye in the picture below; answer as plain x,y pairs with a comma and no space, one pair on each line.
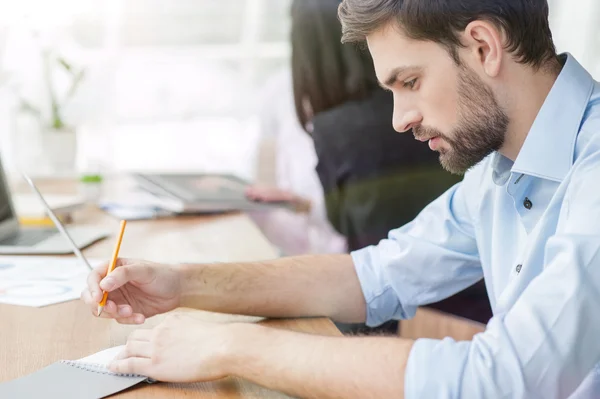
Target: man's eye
410,84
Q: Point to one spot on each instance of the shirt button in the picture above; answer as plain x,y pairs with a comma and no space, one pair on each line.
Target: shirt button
527,203
518,268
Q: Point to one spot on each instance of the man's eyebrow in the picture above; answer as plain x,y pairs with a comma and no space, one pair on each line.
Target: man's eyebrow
393,75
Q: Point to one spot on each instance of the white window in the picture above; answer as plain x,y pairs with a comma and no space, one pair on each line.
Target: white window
172,84
576,29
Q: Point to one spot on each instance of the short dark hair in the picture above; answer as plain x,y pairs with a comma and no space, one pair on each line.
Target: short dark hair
326,73
524,22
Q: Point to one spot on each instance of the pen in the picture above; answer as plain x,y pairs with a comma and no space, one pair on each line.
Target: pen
113,263
57,221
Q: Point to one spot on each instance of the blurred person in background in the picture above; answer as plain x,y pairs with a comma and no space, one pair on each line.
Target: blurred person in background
305,229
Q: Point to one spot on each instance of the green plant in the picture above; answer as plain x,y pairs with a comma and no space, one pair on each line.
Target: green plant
91,178
56,104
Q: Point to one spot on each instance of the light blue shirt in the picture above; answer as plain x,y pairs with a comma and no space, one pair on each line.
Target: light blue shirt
532,229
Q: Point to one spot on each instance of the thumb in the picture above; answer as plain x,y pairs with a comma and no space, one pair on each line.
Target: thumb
141,274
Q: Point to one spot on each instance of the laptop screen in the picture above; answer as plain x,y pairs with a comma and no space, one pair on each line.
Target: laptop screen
5,210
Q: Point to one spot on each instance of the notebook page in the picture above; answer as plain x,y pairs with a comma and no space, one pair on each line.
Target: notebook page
103,357
98,362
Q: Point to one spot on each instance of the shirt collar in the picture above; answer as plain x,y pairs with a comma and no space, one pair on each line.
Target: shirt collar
549,147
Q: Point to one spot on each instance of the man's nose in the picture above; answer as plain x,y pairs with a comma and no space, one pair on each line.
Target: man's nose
404,121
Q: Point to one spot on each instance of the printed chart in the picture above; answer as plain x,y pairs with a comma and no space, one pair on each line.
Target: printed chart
40,280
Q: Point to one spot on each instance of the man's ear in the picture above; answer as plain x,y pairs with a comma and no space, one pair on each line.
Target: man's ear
484,45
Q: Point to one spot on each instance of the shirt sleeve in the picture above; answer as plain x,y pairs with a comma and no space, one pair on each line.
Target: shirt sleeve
547,343
425,261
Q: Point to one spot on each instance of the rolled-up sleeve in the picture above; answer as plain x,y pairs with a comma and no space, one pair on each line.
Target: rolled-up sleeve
547,343
425,261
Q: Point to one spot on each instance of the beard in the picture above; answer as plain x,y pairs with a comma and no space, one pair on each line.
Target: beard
481,129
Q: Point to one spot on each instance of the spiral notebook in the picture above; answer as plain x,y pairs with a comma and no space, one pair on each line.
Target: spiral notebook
86,378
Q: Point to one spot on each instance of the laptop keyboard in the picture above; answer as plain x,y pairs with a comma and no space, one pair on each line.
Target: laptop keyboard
27,238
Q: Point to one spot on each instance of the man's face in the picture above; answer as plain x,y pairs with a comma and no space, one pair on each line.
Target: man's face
445,104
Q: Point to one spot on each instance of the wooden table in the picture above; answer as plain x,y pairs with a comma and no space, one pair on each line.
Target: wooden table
31,338
435,324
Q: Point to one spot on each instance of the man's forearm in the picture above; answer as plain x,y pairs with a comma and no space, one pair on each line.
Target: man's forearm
302,286
310,366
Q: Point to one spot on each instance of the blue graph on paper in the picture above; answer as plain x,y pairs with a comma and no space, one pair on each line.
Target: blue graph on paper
40,281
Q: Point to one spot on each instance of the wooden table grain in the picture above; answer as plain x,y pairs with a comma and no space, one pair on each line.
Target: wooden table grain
32,338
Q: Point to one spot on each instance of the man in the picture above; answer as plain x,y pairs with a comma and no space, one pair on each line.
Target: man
480,80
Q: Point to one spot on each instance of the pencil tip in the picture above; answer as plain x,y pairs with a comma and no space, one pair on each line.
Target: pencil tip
99,310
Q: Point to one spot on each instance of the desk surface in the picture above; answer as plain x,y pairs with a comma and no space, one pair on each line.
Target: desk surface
31,338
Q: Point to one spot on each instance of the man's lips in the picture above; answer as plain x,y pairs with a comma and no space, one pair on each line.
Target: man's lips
424,139
433,141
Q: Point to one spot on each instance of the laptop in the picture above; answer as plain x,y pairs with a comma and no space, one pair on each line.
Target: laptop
18,239
201,193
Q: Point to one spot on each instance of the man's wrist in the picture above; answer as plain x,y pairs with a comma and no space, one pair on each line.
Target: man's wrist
185,270
243,345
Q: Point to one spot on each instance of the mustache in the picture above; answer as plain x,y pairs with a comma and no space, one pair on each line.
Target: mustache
423,133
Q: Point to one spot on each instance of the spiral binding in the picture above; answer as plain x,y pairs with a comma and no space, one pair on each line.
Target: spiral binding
98,368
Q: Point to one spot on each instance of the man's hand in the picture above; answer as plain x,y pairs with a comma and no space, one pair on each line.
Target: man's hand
180,349
185,349
137,290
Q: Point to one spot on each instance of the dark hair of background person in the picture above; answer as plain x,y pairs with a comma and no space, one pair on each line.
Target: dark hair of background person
325,72
524,23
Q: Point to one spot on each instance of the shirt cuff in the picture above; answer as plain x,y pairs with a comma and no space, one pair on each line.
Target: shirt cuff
435,368
382,302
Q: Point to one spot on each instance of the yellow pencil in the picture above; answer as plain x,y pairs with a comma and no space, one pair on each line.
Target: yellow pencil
112,265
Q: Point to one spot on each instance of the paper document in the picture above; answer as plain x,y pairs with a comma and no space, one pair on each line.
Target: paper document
41,280
133,205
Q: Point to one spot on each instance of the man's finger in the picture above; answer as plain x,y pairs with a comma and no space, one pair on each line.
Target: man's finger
86,297
132,365
143,334
93,282
139,273
124,310
135,348
136,318
110,310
